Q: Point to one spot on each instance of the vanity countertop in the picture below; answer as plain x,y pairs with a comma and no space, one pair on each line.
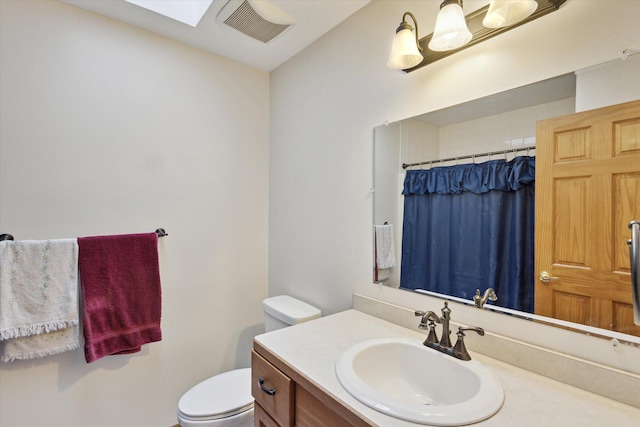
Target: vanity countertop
312,349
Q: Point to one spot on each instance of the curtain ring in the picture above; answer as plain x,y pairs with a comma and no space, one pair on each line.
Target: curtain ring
474,159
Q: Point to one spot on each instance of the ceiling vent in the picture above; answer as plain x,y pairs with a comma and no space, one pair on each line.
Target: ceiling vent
258,19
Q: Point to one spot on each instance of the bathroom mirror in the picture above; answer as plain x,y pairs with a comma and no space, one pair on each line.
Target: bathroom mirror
499,124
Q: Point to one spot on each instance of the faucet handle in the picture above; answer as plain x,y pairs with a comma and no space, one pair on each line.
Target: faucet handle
476,329
432,338
432,319
460,350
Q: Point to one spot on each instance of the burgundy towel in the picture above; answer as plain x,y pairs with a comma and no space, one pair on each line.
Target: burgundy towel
120,282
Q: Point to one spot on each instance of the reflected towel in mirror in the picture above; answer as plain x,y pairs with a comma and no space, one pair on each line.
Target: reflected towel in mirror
385,257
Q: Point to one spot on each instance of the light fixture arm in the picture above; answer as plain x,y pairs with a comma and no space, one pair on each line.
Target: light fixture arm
404,25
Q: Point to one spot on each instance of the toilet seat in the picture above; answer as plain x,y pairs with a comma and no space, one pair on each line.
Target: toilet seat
221,396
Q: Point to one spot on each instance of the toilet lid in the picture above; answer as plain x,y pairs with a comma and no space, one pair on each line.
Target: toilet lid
220,396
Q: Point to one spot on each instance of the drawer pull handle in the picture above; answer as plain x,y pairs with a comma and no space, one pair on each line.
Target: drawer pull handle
270,392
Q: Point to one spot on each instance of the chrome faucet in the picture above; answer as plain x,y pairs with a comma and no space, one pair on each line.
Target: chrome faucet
489,294
429,320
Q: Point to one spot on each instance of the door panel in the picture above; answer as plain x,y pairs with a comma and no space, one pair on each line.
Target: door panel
572,145
627,137
571,218
587,191
627,186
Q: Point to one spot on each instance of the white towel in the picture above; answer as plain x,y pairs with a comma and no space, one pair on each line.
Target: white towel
38,298
384,251
41,345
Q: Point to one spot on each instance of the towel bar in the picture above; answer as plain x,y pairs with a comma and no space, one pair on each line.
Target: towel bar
159,231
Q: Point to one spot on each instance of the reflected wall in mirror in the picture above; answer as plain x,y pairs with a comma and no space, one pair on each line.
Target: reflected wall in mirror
499,124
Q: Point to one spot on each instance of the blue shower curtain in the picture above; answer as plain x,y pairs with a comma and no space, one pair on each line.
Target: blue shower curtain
469,227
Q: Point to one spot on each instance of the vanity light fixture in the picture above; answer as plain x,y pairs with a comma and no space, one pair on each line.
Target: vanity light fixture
503,13
495,18
451,30
405,49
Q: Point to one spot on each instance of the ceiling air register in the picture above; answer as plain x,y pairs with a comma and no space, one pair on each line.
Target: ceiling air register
258,19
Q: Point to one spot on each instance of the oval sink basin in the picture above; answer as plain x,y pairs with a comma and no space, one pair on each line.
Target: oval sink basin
407,380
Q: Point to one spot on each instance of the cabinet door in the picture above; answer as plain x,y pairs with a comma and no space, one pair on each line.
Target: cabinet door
261,418
311,412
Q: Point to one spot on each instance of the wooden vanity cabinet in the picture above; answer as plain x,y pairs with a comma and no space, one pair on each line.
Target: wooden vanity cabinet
295,401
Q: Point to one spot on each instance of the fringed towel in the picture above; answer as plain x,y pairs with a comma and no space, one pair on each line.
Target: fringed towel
38,298
385,257
120,281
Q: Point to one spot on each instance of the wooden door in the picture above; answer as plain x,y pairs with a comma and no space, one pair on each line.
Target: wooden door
587,191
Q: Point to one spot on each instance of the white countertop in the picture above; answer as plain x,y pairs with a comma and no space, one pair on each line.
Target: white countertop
312,349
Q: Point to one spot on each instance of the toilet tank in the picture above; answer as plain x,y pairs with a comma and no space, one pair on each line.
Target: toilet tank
282,311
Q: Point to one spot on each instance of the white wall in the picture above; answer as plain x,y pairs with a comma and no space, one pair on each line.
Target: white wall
505,131
610,83
106,129
326,100
420,141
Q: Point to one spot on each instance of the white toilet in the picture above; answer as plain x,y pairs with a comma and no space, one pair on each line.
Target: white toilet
225,400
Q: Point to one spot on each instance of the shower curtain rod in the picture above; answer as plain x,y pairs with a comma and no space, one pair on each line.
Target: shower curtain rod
470,156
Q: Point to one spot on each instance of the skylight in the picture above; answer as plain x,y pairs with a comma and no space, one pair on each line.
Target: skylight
188,12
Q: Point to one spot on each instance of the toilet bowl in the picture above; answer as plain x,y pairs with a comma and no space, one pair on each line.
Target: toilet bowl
225,400
222,400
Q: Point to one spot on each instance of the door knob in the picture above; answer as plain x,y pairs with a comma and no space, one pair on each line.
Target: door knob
546,277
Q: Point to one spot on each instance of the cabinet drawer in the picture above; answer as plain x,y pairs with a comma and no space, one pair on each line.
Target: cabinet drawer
272,390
